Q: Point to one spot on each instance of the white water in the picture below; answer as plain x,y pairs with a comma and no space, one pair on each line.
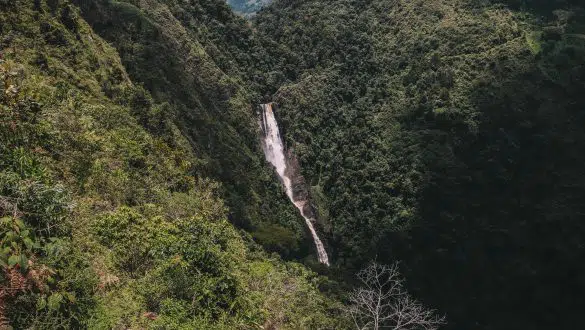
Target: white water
274,152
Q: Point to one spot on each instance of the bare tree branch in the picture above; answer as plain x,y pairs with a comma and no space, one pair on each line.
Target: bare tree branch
383,303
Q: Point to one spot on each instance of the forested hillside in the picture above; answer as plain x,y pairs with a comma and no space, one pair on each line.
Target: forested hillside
193,58
447,134
444,134
109,217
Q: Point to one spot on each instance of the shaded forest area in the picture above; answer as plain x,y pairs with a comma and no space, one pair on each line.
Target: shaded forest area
448,135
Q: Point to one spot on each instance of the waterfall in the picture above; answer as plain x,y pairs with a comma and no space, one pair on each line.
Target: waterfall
274,153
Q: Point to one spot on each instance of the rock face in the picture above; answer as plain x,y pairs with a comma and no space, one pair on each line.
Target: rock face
298,183
288,169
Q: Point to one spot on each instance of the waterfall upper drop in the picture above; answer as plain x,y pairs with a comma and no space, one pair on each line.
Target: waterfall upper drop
274,153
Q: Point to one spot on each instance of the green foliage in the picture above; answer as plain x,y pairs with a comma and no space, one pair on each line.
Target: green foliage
34,241
276,238
18,243
444,134
194,273
204,96
108,217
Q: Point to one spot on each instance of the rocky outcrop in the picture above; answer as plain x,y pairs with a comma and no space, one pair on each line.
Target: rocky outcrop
298,183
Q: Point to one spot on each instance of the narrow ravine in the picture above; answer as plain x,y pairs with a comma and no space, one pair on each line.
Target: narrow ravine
274,153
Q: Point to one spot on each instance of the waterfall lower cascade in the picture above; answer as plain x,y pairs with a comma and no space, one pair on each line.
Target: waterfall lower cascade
274,152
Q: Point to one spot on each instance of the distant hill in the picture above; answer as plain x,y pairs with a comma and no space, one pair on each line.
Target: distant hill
247,7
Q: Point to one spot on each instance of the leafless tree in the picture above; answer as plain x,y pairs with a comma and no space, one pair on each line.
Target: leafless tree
383,303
